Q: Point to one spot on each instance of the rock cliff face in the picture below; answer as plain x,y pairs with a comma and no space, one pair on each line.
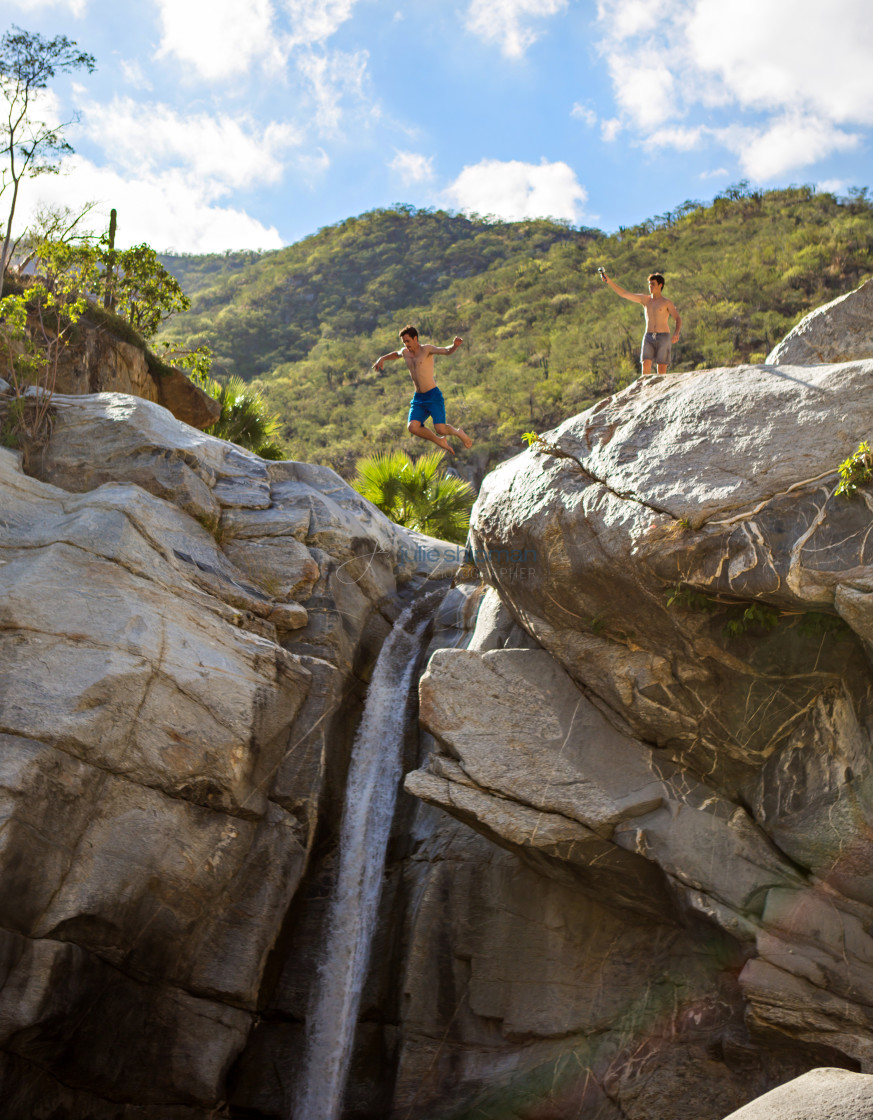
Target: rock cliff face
182,629
681,771
99,362
632,865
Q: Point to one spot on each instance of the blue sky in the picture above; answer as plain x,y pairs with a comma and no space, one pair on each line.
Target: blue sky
216,124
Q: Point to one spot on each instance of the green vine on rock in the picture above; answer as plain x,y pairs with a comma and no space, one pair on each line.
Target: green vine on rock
685,598
758,615
538,443
743,617
856,470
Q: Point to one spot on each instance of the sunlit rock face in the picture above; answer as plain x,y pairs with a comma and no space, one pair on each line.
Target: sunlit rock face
680,770
97,361
841,331
821,1094
183,635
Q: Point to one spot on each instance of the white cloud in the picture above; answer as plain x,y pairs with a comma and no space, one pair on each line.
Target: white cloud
627,18
332,78
514,190
314,21
507,22
818,61
45,111
832,186
167,209
644,88
217,38
584,113
170,176
716,173
222,152
789,142
682,139
76,7
313,165
799,88
412,167
222,38
610,129
134,75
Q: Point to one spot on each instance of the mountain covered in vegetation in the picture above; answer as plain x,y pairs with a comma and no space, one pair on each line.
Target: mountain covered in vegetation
543,337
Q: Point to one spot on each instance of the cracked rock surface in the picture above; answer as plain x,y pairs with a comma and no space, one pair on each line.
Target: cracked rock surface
682,741
183,630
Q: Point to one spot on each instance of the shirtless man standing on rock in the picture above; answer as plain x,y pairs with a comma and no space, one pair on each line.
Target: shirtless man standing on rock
657,342
427,399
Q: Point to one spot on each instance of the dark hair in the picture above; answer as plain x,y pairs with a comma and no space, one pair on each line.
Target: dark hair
410,330
657,277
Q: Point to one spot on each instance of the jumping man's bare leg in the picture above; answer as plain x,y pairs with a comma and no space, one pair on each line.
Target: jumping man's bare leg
447,429
416,428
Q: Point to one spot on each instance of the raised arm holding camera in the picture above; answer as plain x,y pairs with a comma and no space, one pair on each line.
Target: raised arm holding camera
657,341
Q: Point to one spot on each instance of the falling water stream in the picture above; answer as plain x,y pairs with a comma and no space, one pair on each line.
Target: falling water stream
371,794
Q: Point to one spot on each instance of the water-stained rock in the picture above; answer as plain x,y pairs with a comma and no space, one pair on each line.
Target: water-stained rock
697,703
167,743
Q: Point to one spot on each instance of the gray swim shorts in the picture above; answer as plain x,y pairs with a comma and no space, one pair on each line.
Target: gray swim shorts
656,348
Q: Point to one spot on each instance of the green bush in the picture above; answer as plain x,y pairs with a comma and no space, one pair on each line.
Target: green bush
417,494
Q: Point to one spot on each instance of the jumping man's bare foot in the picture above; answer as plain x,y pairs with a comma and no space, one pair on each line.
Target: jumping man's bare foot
442,442
464,438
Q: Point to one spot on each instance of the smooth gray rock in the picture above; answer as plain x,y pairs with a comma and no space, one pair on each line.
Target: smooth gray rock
679,552
840,331
821,1094
164,760
521,731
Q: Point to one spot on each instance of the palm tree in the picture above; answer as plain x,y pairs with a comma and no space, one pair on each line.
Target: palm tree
417,493
245,420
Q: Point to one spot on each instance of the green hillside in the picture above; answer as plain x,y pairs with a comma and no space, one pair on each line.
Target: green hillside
543,337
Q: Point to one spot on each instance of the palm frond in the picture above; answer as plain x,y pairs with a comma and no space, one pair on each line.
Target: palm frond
417,493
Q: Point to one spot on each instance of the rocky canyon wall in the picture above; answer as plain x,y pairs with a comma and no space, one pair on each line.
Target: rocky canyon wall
675,780
186,631
630,872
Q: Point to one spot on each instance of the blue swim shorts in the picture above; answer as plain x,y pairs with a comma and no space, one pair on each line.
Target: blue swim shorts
427,404
656,348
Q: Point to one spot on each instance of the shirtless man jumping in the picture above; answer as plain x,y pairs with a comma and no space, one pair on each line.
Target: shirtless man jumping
427,399
657,342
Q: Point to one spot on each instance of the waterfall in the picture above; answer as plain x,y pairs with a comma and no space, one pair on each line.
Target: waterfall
371,793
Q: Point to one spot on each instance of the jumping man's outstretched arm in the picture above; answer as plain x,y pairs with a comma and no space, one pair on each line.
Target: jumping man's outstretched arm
445,349
386,358
619,291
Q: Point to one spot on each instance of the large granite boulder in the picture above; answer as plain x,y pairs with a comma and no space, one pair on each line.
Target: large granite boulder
682,737
821,1094
185,632
840,331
